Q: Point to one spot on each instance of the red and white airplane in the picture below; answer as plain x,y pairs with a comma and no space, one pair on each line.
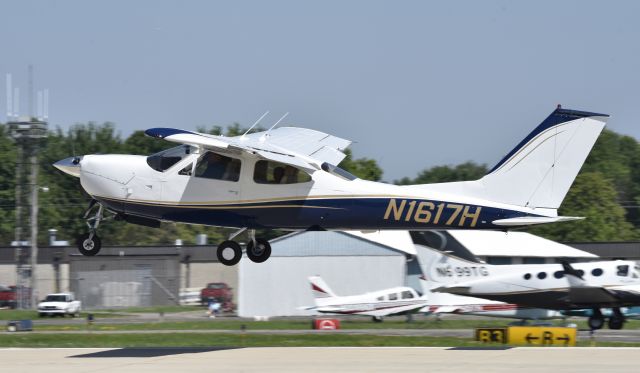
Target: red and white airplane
378,304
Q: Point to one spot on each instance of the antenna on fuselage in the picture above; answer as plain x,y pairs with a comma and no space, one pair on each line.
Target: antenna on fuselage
255,124
272,127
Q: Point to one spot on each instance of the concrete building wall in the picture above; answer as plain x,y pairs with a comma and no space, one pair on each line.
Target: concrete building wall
46,278
279,286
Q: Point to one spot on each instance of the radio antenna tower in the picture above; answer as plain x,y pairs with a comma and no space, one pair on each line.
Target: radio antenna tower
28,134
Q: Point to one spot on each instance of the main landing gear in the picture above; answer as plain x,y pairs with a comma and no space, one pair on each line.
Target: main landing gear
616,320
229,252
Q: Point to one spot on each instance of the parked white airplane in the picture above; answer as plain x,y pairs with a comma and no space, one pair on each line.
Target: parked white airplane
594,285
286,178
378,304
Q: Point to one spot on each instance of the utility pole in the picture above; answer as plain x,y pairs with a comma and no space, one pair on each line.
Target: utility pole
34,228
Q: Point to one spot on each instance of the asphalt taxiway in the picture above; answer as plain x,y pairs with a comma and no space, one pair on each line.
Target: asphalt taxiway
320,359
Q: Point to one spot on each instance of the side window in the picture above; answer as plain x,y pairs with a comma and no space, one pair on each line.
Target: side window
219,167
380,298
268,172
407,294
623,271
393,296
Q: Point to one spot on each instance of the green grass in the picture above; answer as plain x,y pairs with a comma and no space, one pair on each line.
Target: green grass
33,315
235,324
236,340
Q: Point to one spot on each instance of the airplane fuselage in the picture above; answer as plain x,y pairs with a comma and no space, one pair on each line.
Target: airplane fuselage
128,185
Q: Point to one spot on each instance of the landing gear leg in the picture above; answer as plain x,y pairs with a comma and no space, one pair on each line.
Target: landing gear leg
89,244
258,249
596,321
377,319
617,319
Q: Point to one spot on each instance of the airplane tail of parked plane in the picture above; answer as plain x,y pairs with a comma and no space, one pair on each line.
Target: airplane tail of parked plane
440,269
321,291
538,172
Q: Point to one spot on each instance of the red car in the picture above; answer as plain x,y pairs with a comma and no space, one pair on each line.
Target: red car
8,296
218,292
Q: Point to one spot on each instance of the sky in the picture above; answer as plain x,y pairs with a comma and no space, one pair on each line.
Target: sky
414,83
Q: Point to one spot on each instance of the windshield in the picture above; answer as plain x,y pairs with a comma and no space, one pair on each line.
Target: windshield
55,298
163,160
337,171
216,286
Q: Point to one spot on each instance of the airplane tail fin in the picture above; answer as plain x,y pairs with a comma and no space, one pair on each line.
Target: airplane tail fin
538,172
320,289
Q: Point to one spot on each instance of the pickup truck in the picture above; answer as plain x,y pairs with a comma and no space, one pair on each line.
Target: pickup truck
9,296
59,304
218,292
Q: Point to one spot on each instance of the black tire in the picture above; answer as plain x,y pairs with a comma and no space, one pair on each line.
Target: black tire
616,323
259,252
377,319
596,323
237,253
89,247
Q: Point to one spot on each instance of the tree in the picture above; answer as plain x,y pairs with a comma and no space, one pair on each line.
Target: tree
363,168
594,197
443,174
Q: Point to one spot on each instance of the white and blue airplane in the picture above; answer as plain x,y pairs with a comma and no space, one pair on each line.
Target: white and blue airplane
287,178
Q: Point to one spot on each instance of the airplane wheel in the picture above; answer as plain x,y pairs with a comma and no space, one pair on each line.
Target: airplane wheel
229,253
89,246
596,323
376,319
616,323
260,251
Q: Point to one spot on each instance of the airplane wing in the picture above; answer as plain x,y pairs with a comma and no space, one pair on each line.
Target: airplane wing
300,147
580,292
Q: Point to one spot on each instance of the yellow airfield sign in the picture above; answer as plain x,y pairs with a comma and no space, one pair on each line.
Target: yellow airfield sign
541,336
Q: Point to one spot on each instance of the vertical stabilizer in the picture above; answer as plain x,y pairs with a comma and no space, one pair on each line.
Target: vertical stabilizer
320,288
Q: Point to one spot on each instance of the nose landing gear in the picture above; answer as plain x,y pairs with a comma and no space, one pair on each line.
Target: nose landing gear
89,244
258,249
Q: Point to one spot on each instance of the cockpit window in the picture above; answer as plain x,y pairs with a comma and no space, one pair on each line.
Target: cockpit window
219,167
163,160
623,271
407,294
268,172
337,171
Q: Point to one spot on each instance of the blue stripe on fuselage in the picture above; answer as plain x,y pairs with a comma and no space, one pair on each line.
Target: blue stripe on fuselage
329,213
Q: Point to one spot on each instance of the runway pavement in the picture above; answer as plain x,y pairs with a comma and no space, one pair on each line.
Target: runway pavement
320,359
603,335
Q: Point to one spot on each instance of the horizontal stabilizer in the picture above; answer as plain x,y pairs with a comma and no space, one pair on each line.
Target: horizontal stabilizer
459,290
533,220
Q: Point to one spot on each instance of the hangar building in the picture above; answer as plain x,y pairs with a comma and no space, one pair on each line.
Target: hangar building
347,261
